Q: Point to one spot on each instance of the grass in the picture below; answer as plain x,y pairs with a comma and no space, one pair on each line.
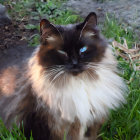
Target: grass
35,11
111,29
102,1
14,134
123,124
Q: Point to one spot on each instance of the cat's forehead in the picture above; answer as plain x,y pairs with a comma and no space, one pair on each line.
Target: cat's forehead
68,30
69,33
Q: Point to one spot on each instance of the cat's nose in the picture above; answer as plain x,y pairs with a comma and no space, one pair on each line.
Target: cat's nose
74,61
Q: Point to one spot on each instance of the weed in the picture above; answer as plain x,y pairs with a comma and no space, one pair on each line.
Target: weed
35,11
14,134
111,29
123,124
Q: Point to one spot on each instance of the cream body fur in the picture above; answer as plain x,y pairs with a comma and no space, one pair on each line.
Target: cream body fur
88,99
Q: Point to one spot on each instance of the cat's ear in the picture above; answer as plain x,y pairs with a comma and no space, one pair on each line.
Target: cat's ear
43,25
88,27
91,19
49,32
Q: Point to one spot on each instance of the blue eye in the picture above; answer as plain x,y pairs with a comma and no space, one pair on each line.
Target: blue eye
83,49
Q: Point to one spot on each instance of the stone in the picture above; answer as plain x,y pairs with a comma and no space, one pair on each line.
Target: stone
125,11
4,17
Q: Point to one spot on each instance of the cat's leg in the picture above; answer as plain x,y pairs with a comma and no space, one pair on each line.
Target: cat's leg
41,128
92,131
74,131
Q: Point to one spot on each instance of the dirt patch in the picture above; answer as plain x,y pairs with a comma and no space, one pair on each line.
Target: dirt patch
14,34
9,36
14,47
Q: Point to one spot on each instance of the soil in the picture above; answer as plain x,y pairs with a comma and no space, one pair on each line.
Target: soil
14,34
9,36
126,11
13,44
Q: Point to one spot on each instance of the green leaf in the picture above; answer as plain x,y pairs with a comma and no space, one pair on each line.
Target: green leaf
30,26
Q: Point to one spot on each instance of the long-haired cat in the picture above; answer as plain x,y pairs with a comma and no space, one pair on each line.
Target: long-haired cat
66,87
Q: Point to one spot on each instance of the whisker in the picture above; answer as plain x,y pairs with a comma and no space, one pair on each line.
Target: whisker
54,66
53,73
91,75
102,66
57,75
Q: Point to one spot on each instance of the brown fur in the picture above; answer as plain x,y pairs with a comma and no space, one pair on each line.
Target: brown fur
93,130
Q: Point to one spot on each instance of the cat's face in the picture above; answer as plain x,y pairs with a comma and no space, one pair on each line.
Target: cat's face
71,48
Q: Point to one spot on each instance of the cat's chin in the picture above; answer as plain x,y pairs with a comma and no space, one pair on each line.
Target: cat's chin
75,72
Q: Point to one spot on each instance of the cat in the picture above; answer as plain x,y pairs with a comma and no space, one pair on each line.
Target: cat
66,86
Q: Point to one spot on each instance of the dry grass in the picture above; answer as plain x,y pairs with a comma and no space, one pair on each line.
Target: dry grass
132,56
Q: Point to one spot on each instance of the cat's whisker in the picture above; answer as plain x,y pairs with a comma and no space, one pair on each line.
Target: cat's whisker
91,75
53,67
54,73
102,64
56,69
50,73
53,81
57,75
99,66
48,76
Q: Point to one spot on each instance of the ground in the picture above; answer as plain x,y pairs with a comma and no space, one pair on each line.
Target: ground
126,11
22,35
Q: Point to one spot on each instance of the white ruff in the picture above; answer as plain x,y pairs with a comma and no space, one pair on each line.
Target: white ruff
81,97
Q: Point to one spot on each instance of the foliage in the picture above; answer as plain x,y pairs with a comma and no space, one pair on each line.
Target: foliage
30,12
14,134
101,1
124,124
111,29
56,14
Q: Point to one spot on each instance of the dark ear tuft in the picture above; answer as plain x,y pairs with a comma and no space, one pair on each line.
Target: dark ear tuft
43,24
89,26
91,19
48,28
49,32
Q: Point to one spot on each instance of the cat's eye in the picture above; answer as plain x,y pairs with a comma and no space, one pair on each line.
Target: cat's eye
83,49
62,52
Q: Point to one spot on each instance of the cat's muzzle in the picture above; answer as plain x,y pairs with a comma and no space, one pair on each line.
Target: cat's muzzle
74,69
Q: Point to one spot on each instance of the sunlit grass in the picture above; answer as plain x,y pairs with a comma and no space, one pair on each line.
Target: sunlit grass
124,124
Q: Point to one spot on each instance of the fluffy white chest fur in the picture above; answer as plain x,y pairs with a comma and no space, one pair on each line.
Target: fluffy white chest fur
87,99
